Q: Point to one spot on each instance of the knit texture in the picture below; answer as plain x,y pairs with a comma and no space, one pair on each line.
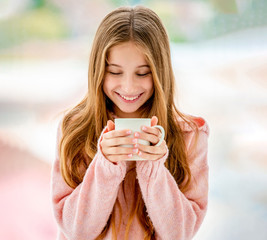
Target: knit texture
83,212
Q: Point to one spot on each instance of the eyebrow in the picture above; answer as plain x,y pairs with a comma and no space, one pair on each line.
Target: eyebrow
116,65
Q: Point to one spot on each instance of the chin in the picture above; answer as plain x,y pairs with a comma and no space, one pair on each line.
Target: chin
128,111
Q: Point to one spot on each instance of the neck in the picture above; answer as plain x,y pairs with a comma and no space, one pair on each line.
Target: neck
120,114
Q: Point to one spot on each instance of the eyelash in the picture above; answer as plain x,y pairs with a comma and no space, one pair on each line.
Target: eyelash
140,75
114,73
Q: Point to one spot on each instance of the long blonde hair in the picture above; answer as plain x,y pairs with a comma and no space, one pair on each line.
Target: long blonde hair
82,125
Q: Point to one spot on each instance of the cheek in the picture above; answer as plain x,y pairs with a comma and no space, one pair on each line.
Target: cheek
148,84
107,85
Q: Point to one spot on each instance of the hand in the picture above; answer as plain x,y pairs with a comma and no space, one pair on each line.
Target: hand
152,135
111,141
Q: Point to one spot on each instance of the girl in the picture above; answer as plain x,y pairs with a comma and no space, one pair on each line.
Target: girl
96,193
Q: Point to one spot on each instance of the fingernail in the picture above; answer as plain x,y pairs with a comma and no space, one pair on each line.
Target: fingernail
136,145
135,150
144,128
134,140
129,132
139,154
136,134
130,155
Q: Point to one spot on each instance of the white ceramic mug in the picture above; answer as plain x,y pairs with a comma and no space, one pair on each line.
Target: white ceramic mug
135,125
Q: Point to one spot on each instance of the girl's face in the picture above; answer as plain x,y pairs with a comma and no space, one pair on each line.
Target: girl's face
128,80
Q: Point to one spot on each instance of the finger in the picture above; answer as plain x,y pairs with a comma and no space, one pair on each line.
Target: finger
157,150
113,142
118,158
151,130
154,121
149,156
117,133
120,150
111,125
152,138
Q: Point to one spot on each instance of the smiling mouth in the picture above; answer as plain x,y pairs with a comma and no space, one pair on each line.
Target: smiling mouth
131,98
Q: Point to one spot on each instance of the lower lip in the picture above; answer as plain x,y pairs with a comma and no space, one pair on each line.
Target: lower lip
129,101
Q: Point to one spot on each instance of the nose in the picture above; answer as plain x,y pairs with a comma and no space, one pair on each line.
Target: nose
128,84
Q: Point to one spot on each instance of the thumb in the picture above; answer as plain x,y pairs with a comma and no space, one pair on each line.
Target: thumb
111,125
154,121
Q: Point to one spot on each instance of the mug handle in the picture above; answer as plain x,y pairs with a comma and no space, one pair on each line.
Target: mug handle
162,134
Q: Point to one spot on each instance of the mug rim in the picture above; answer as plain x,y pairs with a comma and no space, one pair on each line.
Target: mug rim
130,119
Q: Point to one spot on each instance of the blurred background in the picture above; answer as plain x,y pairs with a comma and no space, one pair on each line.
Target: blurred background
219,52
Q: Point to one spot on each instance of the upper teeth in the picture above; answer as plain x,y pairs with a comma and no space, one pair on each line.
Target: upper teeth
130,98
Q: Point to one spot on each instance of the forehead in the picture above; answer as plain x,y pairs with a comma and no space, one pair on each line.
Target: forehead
126,53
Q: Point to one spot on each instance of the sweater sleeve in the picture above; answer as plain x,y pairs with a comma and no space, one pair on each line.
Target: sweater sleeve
83,212
176,215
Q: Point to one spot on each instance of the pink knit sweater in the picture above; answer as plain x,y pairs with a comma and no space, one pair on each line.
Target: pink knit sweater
82,213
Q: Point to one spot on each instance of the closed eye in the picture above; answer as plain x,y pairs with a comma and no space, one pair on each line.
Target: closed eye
114,73
142,75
